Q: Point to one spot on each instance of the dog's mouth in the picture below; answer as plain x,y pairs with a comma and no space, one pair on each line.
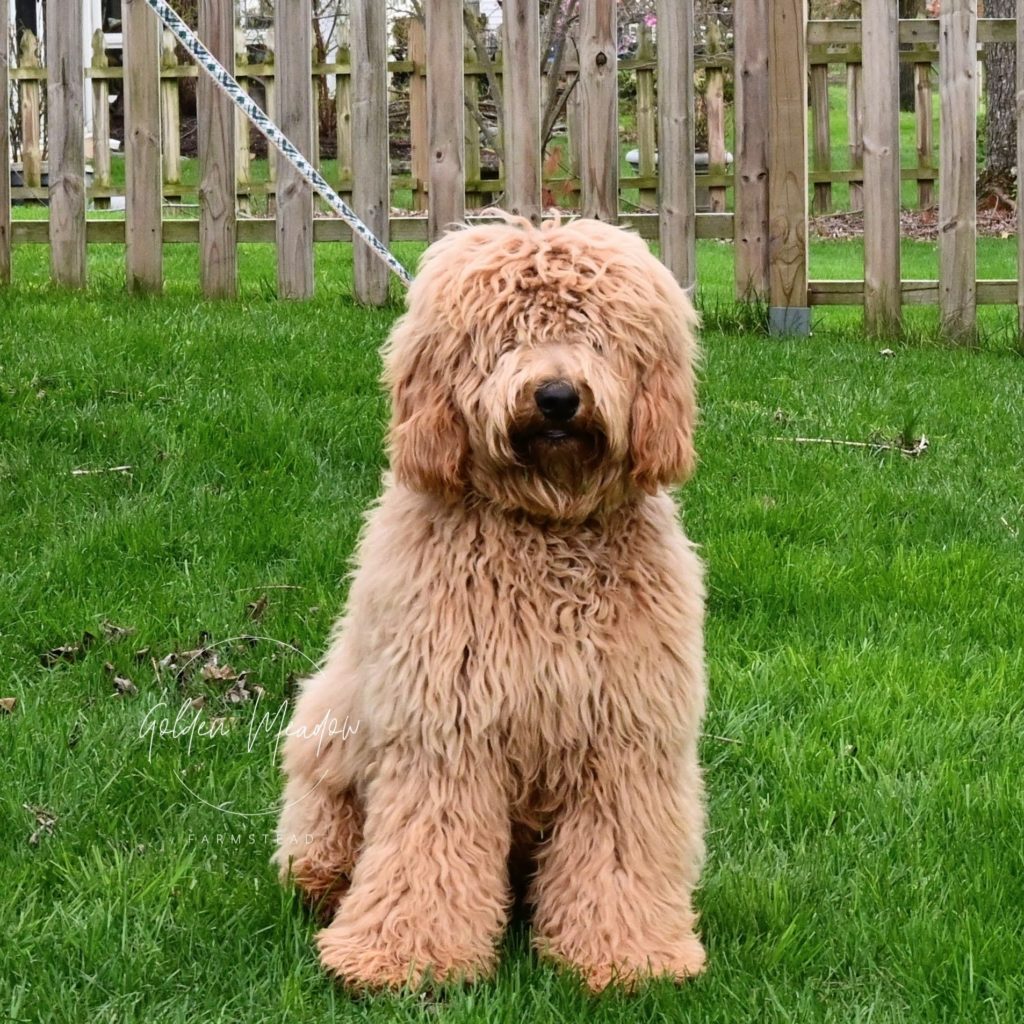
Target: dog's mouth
544,441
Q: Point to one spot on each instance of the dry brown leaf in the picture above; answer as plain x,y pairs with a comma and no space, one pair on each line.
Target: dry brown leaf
256,609
239,693
115,632
219,673
45,823
124,687
67,652
7,705
198,703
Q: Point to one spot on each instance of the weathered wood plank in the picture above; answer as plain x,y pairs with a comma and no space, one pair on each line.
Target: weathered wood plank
989,292
647,118
100,121
677,201
370,194
445,121
599,110
29,101
923,116
65,86
143,173
5,152
243,161
822,137
751,31
521,95
293,32
881,167
787,163
218,257
343,110
170,111
419,156
330,229
958,123
471,83
714,101
912,31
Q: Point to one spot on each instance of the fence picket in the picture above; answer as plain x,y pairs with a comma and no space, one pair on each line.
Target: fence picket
371,189
343,116
293,64
882,297
958,122
855,131
143,173
419,159
521,24
599,109
445,121
646,117
822,137
925,132
751,190
787,167
65,87
100,121
170,119
29,102
218,225
677,200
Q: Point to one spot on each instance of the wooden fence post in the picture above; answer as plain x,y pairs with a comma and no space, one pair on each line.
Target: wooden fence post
822,137
855,130
170,114
445,120
218,225
599,108
143,173
787,168
31,148
471,84
100,122
65,87
647,118
751,114
343,114
714,102
925,133
243,176
5,152
880,46
677,203
293,27
521,93
419,159
1020,164
371,187
958,119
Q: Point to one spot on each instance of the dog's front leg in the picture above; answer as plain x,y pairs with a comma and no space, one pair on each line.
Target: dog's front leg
429,895
613,891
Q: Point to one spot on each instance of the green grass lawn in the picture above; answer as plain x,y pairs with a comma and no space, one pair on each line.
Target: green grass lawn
864,741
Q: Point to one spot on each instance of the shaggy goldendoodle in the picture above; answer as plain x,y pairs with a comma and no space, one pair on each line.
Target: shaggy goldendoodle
521,659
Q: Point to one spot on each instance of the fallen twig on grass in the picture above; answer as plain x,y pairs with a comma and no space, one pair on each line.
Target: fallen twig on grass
918,447
93,472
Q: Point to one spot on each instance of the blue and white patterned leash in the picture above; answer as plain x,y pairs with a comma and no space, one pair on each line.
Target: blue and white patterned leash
274,135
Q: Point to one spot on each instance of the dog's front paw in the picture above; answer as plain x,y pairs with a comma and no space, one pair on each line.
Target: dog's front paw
679,965
365,960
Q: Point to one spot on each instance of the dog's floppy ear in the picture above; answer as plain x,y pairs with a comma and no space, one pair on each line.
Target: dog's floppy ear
427,439
664,413
661,432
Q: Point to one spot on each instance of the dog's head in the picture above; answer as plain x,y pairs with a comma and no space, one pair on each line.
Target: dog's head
549,370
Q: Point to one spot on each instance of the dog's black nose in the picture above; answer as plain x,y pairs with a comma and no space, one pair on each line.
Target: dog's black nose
557,400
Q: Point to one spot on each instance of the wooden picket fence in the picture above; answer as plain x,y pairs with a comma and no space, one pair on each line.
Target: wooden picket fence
761,202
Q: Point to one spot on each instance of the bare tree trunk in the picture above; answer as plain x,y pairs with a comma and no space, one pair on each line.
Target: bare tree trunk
1000,96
